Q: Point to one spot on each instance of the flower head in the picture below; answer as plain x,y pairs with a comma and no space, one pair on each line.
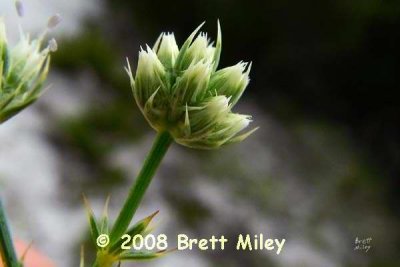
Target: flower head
182,92
23,69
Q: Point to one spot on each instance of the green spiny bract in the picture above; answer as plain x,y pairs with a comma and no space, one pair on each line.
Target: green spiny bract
182,92
114,251
23,69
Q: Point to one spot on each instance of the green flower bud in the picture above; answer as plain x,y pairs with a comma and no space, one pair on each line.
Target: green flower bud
181,91
23,70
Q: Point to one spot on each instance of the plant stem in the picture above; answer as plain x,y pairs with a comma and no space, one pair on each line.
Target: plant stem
6,245
153,160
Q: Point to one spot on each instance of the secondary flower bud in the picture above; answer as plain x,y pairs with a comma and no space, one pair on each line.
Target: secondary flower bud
180,91
23,70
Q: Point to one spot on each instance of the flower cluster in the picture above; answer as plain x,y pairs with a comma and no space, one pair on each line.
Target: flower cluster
182,92
23,69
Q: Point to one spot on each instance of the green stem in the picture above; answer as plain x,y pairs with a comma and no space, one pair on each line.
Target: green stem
6,245
153,160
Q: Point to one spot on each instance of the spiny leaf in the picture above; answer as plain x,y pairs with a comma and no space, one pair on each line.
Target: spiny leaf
94,228
104,220
138,228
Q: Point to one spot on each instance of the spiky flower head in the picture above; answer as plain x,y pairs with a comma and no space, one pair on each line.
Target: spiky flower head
182,92
23,69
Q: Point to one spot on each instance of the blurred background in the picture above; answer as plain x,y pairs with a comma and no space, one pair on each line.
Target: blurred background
322,170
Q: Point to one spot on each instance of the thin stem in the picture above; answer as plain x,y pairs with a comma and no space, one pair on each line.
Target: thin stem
6,245
153,160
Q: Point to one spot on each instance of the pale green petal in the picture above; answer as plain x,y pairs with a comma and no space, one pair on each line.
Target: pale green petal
213,110
199,51
168,50
183,52
231,81
150,76
221,131
192,86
